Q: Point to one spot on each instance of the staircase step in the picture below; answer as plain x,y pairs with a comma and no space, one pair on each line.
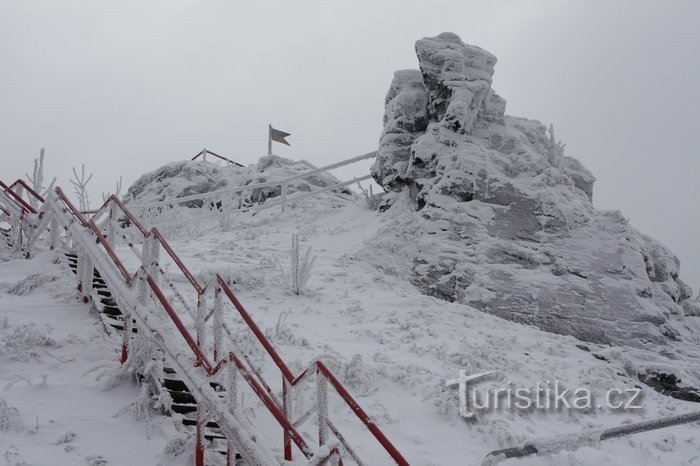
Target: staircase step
112,311
171,384
182,397
103,291
193,422
184,408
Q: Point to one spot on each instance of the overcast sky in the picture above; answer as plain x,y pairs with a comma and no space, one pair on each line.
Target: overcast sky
127,86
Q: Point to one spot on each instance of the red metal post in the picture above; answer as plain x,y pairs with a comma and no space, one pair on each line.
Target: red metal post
287,440
199,446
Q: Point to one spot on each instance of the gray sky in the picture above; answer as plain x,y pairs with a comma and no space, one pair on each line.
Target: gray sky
126,86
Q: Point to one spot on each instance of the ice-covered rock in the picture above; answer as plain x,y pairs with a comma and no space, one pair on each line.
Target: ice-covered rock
504,221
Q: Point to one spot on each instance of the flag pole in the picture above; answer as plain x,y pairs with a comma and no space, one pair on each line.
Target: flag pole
269,139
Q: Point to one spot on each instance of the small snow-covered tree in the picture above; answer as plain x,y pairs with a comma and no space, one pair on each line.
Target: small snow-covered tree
299,271
80,185
555,149
117,190
36,180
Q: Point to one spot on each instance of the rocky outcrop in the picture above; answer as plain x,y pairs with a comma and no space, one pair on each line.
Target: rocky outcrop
503,219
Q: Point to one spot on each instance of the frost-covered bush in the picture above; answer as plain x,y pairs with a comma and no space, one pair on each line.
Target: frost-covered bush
299,271
27,336
360,377
178,445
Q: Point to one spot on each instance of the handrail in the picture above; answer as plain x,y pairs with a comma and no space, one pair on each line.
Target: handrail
362,415
17,198
158,236
132,218
530,447
284,422
76,213
344,394
29,189
110,250
191,342
207,151
256,331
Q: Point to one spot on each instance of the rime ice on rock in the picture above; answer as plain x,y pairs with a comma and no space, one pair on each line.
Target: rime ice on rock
504,219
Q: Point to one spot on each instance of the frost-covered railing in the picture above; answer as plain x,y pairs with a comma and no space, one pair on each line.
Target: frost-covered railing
592,437
140,296
226,197
19,212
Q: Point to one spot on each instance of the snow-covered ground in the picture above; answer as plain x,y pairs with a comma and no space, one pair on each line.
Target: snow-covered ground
61,398
391,345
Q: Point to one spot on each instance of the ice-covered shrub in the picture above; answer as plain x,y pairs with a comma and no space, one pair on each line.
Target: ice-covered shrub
360,377
299,271
80,183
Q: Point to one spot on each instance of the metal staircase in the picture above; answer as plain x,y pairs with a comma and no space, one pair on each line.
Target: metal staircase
205,376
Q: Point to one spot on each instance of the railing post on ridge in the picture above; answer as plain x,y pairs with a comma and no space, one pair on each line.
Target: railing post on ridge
85,275
54,232
201,323
285,188
218,324
151,255
232,402
112,218
322,406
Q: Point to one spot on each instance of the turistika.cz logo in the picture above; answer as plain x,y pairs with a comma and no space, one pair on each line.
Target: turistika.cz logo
544,396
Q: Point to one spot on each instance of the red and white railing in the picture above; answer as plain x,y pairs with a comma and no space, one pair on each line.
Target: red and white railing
197,360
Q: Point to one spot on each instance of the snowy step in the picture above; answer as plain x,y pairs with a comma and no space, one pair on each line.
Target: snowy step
193,422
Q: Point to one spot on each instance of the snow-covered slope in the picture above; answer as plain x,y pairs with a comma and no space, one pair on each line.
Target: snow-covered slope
395,347
392,345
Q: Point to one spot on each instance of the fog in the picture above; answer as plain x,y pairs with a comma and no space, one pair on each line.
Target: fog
128,86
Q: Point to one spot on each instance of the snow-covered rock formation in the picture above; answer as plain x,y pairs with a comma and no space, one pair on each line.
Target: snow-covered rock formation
180,179
504,220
